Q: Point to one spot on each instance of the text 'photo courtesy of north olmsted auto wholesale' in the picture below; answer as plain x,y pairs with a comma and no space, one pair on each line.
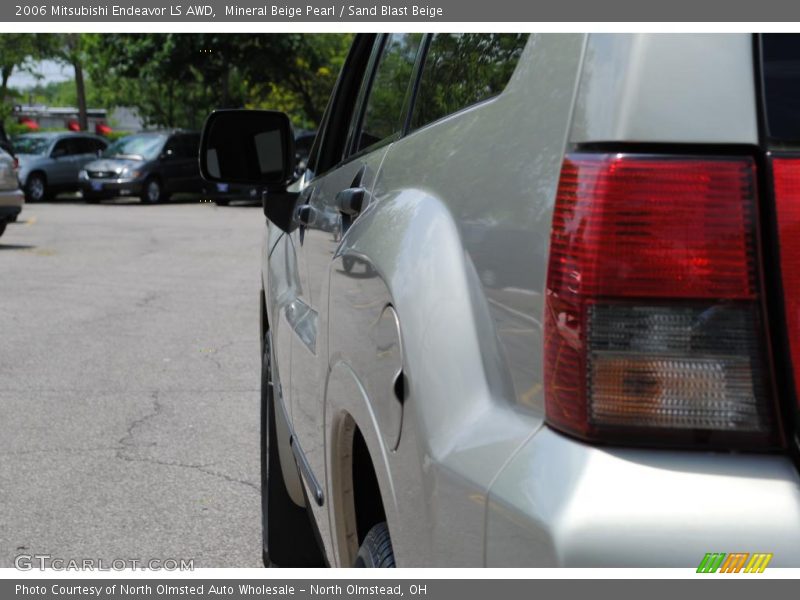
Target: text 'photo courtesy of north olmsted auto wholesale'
321,286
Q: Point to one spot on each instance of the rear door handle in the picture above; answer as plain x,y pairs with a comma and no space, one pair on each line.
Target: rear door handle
351,201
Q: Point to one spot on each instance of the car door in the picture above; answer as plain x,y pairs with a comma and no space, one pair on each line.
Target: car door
89,149
329,205
63,169
186,163
172,164
86,150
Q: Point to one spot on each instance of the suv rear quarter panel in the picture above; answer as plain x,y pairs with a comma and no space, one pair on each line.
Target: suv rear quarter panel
667,88
471,348
564,503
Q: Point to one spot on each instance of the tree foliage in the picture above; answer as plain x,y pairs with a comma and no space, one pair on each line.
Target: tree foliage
175,80
16,52
462,69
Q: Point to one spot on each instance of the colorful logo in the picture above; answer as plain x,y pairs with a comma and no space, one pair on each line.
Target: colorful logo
738,562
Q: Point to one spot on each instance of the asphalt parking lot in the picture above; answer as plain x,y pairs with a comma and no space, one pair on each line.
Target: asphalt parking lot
129,376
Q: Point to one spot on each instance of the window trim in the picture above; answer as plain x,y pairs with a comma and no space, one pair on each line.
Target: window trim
364,91
422,57
363,100
327,125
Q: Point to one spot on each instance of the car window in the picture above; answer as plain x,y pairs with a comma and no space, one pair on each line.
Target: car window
139,146
329,146
171,147
88,145
65,147
462,69
383,114
189,146
31,145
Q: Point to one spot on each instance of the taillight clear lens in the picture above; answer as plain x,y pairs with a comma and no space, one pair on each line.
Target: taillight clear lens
651,321
786,178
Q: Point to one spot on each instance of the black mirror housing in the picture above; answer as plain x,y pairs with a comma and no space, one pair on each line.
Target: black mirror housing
248,147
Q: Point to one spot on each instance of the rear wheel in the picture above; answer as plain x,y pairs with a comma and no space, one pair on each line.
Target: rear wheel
35,188
288,538
376,549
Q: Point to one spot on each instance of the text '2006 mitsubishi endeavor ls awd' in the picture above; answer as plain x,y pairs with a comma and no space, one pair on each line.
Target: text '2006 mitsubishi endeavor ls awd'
534,302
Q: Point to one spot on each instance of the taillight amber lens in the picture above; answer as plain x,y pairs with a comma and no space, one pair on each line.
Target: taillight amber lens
652,325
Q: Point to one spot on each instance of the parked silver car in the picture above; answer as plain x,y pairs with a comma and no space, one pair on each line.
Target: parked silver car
616,389
49,162
11,197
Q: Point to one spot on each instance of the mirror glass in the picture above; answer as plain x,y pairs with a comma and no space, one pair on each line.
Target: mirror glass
247,146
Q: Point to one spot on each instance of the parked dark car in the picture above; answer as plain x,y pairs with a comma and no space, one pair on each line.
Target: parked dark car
151,165
49,162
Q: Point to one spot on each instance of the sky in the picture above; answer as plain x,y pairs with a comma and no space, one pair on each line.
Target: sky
50,71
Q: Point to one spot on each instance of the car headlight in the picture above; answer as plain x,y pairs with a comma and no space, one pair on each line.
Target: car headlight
128,173
82,174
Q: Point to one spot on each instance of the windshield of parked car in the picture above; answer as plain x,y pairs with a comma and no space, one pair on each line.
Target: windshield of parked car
31,145
139,147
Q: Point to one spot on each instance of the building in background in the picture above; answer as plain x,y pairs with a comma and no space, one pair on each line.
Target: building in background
37,117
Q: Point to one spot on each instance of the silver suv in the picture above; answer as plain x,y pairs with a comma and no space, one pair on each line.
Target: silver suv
534,302
49,163
11,198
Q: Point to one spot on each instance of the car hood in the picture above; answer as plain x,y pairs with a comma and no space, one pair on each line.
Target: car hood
112,164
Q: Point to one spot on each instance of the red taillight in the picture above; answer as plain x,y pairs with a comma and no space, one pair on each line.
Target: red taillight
786,178
651,321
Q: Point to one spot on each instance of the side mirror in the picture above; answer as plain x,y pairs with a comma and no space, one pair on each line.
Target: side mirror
248,147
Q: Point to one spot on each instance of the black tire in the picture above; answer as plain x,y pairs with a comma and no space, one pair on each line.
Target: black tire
2,227
36,188
152,191
376,549
13,218
287,534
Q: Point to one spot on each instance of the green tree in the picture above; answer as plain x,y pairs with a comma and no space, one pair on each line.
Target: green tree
70,49
16,52
175,80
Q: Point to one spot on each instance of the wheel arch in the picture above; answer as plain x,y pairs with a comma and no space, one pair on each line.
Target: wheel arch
35,171
359,482
458,393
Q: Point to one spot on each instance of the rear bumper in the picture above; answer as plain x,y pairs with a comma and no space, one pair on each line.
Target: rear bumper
11,199
562,503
